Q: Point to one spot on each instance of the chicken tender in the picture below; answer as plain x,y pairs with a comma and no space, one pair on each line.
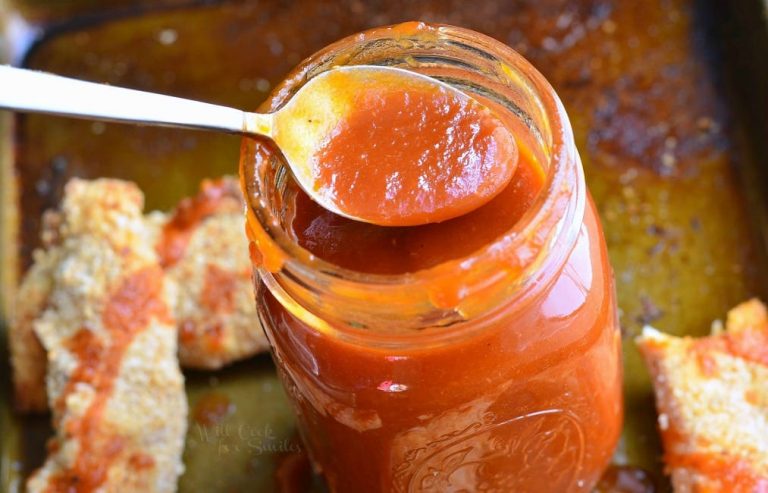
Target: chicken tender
712,399
113,380
203,250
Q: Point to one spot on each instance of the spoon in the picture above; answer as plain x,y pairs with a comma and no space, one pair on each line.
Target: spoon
353,149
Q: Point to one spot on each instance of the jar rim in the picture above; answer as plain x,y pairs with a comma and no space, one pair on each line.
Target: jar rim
546,220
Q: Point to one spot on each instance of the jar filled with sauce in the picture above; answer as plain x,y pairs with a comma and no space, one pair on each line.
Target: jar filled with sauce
481,353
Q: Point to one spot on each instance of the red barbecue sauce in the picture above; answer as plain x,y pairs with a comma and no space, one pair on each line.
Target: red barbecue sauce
414,154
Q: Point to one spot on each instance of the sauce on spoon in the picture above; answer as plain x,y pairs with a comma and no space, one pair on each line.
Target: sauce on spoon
412,152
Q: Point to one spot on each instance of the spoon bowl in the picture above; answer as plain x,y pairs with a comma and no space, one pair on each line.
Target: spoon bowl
392,147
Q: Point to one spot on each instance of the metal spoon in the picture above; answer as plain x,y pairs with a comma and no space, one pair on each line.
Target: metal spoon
298,128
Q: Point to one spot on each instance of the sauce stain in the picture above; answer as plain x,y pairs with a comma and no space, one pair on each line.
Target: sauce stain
219,288
139,461
212,409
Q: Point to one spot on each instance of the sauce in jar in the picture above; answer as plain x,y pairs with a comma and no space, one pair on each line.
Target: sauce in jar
370,248
481,353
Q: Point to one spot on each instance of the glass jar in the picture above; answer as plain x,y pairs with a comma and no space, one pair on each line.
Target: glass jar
496,371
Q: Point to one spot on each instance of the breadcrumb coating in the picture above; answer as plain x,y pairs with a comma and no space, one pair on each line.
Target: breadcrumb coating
712,401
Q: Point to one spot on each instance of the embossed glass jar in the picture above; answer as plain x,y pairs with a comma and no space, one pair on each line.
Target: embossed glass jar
498,371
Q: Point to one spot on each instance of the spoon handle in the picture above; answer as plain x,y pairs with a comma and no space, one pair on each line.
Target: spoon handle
39,92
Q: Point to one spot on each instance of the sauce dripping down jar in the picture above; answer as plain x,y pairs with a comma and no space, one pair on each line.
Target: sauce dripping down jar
477,354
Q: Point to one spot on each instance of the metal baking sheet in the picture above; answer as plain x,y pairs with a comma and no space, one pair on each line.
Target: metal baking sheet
655,91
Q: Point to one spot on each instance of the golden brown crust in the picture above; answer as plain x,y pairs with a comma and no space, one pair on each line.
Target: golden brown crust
113,380
712,399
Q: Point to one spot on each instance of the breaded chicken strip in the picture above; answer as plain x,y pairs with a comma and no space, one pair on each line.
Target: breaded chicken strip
712,399
203,250
113,380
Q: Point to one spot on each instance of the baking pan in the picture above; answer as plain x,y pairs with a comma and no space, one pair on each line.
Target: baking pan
667,120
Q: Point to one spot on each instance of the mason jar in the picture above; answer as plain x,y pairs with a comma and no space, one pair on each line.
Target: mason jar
492,366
